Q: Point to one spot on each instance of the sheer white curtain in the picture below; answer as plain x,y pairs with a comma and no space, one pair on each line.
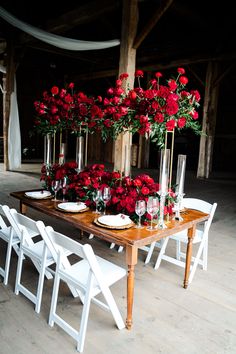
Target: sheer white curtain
14,137
53,39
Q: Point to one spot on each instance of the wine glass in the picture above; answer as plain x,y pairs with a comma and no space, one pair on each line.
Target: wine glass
152,209
56,185
106,196
97,197
140,208
64,188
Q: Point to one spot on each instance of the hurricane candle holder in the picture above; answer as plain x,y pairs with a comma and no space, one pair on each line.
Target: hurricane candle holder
161,224
178,207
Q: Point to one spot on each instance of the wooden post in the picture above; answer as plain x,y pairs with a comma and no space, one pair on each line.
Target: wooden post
126,65
8,87
209,121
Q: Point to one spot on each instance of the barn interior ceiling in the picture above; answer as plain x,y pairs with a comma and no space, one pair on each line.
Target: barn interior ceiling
188,32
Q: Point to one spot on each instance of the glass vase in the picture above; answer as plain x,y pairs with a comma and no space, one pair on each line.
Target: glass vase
80,153
47,149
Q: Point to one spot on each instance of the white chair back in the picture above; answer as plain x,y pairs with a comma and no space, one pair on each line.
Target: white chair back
36,251
91,275
7,234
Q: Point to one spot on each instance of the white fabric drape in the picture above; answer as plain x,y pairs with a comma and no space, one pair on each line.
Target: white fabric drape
53,39
14,138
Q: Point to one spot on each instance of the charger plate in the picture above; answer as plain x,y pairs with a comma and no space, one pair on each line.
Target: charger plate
39,195
123,227
71,207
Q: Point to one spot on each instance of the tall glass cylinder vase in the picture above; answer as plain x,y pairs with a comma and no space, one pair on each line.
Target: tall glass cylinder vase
47,149
80,153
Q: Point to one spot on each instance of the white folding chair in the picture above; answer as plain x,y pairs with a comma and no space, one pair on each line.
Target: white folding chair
9,234
37,252
201,238
92,275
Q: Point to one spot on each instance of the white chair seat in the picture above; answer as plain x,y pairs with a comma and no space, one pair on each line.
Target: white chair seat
81,269
183,236
37,249
5,235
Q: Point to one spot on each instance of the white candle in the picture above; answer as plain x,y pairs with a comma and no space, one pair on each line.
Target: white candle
180,174
164,171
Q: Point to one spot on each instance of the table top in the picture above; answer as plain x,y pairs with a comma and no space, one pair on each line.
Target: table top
132,236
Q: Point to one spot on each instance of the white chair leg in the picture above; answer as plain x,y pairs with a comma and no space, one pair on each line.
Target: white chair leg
196,262
161,253
53,307
40,286
120,249
7,263
112,245
205,255
150,251
91,236
19,271
178,250
113,307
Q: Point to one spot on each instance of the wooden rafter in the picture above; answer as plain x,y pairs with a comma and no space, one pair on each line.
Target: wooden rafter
152,22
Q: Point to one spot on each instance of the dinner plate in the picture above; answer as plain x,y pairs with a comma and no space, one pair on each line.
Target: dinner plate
38,194
72,207
115,220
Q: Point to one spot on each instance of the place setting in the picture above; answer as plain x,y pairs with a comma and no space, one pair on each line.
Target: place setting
42,194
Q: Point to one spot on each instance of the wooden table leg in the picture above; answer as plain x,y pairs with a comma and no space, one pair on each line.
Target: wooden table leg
23,208
191,234
131,260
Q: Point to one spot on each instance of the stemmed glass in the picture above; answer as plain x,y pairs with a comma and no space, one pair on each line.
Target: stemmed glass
64,188
97,197
106,196
56,185
140,208
152,209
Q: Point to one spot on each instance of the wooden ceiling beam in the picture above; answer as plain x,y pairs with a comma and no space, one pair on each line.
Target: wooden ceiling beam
151,23
86,13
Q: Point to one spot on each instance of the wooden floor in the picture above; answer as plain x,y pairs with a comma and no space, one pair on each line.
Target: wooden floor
167,318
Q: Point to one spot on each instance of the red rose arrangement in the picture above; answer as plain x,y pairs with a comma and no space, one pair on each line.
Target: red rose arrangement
151,112
125,191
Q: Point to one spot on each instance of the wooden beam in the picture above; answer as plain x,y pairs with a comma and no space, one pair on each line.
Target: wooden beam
152,22
225,73
122,146
208,122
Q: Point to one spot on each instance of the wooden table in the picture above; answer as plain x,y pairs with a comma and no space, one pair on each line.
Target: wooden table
131,239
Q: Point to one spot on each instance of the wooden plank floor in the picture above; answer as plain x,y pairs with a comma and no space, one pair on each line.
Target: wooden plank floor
167,318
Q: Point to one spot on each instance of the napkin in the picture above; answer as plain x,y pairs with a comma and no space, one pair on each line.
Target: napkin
115,220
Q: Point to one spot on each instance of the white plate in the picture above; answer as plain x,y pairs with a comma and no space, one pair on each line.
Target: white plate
38,194
115,220
72,206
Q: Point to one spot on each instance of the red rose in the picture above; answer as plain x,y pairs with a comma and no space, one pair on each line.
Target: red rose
137,182
194,115
71,85
183,80
158,74
172,85
124,76
132,95
145,191
54,90
138,73
170,125
181,71
181,122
